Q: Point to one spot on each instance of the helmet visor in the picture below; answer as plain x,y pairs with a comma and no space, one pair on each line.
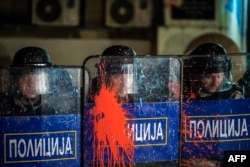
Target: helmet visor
32,83
129,86
120,74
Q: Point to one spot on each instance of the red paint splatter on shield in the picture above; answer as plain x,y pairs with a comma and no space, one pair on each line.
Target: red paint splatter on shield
112,145
197,143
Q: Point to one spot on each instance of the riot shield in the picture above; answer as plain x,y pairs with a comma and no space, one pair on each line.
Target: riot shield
132,114
215,113
40,116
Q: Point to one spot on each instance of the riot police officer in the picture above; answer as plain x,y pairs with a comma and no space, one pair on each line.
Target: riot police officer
115,72
29,83
208,74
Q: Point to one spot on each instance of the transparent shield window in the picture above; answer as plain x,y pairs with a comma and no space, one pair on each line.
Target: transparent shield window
215,110
136,79
133,111
40,91
40,116
211,76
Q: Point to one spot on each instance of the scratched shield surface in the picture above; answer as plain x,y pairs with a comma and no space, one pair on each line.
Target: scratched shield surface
219,121
132,114
40,123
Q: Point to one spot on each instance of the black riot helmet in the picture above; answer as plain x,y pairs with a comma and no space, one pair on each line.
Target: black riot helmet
205,59
29,60
210,64
31,56
118,50
209,58
209,49
28,63
114,62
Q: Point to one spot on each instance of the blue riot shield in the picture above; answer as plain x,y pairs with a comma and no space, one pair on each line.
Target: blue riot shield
132,114
215,112
40,116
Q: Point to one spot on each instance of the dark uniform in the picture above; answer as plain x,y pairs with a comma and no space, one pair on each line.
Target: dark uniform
206,59
244,82
212,59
